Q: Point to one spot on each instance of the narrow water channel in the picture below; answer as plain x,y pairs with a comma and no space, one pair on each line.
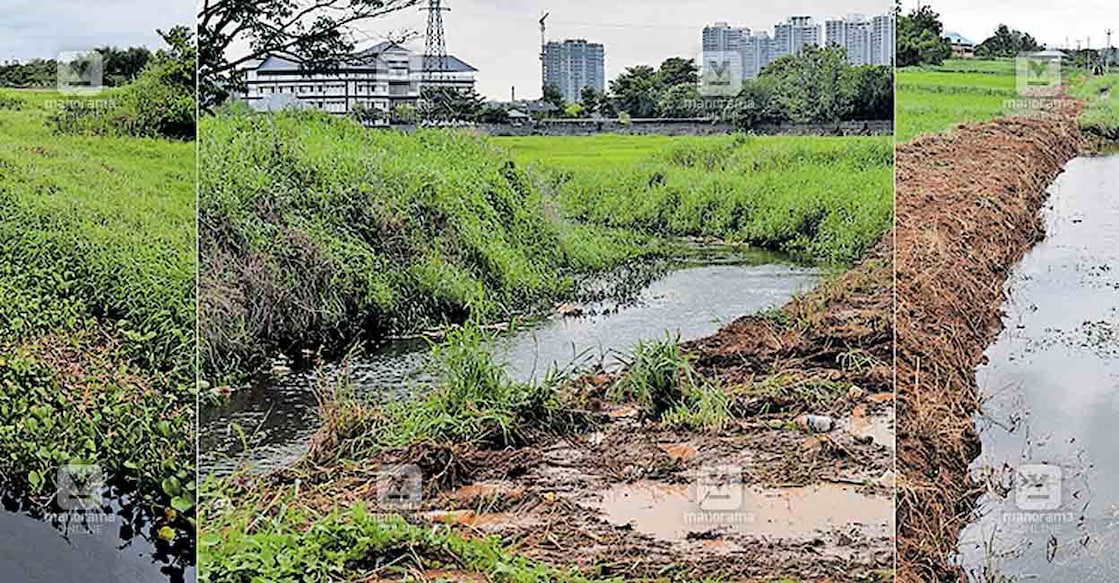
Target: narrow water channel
691,301
1050,426
92,547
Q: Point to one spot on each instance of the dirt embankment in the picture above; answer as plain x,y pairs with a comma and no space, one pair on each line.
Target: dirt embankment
968,209
620,499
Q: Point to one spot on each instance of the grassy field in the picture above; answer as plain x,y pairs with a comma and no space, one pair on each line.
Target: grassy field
97,277
935,99
826,198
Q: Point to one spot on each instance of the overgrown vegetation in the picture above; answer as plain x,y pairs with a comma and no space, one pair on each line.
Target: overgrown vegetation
275,536
160,102
828,198
118,67
97,267
474,402
1101,94
317,232
659,378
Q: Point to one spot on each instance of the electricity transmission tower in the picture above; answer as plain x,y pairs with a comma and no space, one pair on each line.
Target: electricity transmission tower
435,53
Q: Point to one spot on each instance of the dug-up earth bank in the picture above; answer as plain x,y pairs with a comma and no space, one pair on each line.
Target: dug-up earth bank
968,209
629,498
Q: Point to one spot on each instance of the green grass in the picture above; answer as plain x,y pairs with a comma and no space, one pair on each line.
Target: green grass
317,232
1101,116
272,536
97,276
935,99
826,198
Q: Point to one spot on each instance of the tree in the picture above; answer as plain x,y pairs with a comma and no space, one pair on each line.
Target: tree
121,66
920,39
635,91
1007,43
681,101
591,100
753,105
450,104
870,89
494,114
553,95
677,71
315,31
808,87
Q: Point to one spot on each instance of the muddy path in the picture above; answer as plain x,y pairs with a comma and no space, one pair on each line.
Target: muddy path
762,498
968,209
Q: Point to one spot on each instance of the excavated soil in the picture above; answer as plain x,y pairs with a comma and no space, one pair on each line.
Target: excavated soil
968,209
623,498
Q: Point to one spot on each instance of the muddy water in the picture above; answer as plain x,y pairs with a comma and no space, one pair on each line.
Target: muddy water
692,301
1050,429
672,512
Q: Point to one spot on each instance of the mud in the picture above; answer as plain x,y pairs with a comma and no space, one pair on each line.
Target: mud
967,211
628,497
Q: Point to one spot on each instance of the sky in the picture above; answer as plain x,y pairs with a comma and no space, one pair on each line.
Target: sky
501,38
1052,23
43,28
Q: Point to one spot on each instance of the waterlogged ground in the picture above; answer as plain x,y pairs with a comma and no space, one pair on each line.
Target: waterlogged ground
1051,512
278,418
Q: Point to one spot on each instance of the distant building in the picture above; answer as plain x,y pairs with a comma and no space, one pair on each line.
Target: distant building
574,65
866,41
383,77
962,48
740,54
883,40
790,37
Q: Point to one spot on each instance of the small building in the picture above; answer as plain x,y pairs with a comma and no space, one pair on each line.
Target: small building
384,77
962,48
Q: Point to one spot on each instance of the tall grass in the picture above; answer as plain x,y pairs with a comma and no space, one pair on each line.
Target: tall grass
474,400
1101,116
829,198
316,231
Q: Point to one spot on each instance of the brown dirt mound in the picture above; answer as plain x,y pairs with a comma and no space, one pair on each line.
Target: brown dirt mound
968,209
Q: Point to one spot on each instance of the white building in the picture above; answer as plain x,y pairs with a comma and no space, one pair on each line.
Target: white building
574,65
790,37
383,77
740,54
867,41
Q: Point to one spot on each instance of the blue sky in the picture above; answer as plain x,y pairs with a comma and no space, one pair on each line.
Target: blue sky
42,28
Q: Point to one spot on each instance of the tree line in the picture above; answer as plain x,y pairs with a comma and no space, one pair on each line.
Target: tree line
815,86
921,40
119,67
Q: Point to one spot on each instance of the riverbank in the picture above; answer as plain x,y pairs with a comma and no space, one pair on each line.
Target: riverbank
97,269
598,477
317,233
968,208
